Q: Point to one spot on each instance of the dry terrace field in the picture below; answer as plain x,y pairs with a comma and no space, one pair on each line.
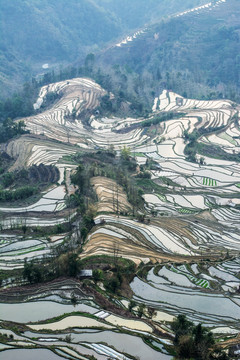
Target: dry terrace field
111,196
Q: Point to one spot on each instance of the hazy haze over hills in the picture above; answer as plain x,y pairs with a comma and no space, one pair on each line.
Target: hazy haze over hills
135,13
58,32
200,47
119,179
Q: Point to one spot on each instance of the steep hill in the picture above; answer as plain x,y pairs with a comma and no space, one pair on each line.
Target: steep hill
135,13
187,52
38,32
55,32
157,197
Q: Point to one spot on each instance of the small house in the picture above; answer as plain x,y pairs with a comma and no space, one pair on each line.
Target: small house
179,101
85,274
234,351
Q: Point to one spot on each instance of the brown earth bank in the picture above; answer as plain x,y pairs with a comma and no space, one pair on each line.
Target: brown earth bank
230,342
21,293
46,214
101,244
111,196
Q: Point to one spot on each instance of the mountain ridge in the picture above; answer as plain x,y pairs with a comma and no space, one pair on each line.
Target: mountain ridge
201,49
35,33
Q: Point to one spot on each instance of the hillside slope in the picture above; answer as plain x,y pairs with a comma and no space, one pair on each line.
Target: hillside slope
135,13
38,32
154,199
199,47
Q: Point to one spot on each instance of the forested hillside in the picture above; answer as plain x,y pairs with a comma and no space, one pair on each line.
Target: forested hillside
59,32
119,179
196,54
38,32
135,13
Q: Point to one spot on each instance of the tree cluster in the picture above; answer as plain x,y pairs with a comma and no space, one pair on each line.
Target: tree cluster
18,194
24,183
10,129
194,341
162,117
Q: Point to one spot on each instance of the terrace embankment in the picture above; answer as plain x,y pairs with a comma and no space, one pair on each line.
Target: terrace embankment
32,292
226,344
68,287
111,196
112,240
35,150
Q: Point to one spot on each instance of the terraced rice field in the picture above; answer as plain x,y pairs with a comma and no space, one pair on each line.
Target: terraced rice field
16,249
161,240
198,187
90,326
196,217
111,197
79,96
39,220
51,201
200,291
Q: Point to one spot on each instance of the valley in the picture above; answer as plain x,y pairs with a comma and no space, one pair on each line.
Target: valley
149,204
120,180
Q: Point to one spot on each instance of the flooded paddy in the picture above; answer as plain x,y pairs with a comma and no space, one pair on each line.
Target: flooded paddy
39,310
128,344
183,292
29,354
206,295
49,202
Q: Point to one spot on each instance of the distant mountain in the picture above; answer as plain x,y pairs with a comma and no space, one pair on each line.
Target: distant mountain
198,47
34,32
37,32
136,13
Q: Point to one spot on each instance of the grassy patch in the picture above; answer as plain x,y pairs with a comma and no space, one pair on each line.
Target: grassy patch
199,282
30,250
228,138
138,154
187,211
215,152
148,186
168,181
65,315
209,182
